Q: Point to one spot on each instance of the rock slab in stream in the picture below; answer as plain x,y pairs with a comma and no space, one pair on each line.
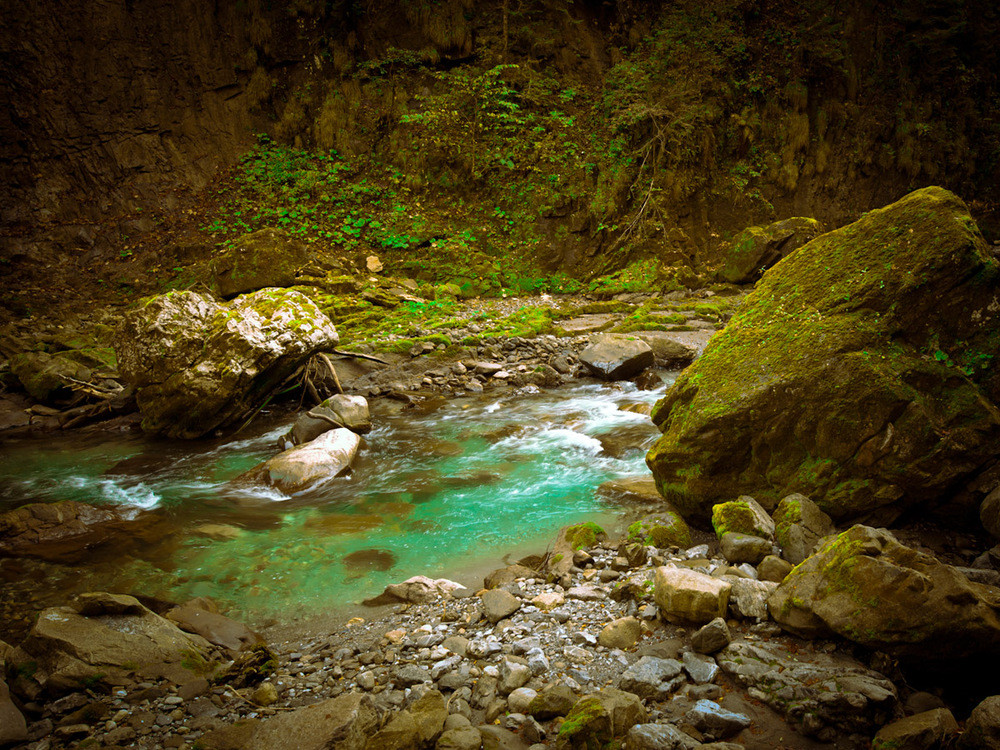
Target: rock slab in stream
199,365
302,467
853,373
69,531
867,587
617,356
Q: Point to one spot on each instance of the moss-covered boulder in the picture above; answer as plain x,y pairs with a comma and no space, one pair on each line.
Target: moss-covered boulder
867,587
857,373
756,249
664,529
266,258
743,516
47,377
199,365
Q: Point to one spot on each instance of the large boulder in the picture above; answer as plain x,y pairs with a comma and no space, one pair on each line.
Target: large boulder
200,366
106,638
867,587
856,373
685,595
756,249
617,356
304,466
266,258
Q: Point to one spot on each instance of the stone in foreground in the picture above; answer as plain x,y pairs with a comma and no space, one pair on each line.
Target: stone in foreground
822,694
344,723
923,731
710,718
199,366
617,356
867,587
685,595
856,373
105,638
982,730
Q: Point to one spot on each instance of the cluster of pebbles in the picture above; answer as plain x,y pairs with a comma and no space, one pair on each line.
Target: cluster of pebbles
511,662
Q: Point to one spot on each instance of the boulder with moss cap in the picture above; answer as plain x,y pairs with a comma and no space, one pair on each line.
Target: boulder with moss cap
198,365
867,587
856,373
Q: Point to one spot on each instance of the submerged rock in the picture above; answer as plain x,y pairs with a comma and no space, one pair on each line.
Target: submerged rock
69,531
199,365
297,469
867,587
415,590
854,373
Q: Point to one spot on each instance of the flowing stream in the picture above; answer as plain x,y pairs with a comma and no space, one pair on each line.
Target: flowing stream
444,489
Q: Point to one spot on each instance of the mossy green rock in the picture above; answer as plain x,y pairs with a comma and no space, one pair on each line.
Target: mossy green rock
199,365
756,249
665,529
266,258
867,587
47,377
744,516
856,373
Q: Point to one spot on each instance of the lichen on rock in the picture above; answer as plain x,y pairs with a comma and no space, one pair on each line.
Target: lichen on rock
199,365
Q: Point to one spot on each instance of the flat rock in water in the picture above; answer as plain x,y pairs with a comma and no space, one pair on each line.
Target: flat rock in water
69,531
617,356
304,466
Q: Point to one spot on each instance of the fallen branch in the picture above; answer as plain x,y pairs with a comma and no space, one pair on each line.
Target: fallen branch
324,418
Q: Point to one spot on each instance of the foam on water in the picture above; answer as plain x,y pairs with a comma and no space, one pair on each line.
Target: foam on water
437,490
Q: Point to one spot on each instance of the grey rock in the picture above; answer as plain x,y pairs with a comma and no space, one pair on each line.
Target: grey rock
700,668
924,731
617,357
659,737
982,730
513,675
411,674
834,691
498,738
744,548
773,568
651,677
461,738
748,598
712,719
499,604
799,526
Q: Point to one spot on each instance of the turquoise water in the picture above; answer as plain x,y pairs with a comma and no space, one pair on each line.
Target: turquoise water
441,490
